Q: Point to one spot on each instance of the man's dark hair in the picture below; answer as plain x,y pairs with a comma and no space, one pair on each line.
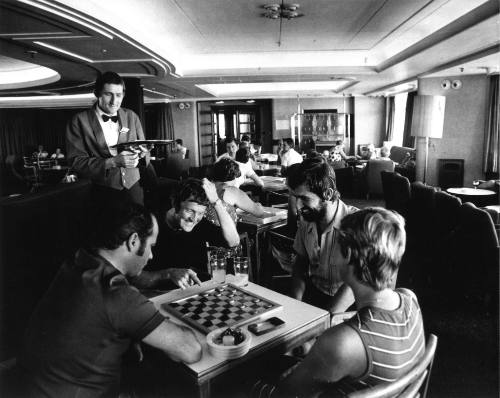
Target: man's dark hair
115,220
225,170
289,142
179,141
228,140
191,189
107,78
375,238
245,138
317,175
242,155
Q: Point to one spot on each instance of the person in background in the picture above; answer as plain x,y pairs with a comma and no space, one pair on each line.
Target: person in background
288,155
225,173
91,134
255,148
90,316
231,148
326,154
315,277
384,153
40,153
369,152
385,339
180,148
181,253
245,141
246,168
58,154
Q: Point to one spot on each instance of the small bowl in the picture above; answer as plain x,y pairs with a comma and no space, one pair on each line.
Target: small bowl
228,351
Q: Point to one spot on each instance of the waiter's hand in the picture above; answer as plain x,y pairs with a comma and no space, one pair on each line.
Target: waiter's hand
126,159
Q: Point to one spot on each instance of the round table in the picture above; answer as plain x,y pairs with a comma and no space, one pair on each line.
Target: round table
480,197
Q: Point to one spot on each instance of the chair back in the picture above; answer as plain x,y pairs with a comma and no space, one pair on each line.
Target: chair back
373,177
175,167
447,209
413,384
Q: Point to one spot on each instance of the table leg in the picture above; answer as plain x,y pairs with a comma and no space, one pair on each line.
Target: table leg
204,389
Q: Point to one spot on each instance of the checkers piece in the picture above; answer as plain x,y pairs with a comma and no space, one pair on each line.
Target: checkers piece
221,308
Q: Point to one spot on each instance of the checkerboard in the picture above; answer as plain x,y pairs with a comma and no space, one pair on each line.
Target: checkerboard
221,307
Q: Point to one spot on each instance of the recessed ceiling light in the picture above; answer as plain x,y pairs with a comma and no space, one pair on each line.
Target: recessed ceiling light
219,102
250,101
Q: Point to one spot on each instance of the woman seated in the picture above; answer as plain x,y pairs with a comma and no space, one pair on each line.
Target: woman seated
338,157
246,168
224,174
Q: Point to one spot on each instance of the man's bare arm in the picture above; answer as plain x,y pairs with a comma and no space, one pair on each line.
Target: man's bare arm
178,342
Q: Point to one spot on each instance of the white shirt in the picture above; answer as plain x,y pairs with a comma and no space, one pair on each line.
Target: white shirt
110,129
291,157
246,171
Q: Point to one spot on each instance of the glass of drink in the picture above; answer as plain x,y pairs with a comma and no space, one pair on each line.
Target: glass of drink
241,265
218,268
475,183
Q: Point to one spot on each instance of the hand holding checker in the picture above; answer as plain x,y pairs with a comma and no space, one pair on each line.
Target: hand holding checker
183,277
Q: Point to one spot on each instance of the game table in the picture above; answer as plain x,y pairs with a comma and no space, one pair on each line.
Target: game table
302,322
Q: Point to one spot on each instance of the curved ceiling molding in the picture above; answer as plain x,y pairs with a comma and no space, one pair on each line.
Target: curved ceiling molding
16,74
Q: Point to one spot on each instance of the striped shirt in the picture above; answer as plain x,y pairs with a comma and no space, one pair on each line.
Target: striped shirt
394,340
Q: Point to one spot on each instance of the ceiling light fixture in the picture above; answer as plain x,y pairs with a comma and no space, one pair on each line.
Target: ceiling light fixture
281,11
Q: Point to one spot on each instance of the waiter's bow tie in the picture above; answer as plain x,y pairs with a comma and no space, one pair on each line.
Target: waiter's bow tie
114,119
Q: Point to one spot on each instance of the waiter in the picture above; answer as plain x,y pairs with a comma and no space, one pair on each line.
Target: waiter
91,134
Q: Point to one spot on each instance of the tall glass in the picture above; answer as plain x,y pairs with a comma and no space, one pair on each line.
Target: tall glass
218,268
241,266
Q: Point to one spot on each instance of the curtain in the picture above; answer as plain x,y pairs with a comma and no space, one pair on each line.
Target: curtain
159,117
491,151
408,140
22,130
391,107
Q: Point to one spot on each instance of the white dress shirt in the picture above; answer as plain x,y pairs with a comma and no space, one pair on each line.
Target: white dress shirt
110,129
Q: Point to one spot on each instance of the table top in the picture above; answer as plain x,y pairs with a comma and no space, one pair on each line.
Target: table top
470,191
494,207
299,318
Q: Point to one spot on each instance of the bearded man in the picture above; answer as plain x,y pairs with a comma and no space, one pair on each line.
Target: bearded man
315,276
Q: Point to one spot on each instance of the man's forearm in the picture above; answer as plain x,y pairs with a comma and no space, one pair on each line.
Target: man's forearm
341,300
149,279
227,225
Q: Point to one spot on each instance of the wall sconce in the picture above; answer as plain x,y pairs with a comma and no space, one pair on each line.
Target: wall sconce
456,84
183,105
428,120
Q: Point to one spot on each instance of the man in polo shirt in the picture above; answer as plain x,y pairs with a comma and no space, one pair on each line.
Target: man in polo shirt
91,315
315,276
91,134
288,155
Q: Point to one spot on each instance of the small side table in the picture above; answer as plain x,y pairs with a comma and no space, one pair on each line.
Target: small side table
480,197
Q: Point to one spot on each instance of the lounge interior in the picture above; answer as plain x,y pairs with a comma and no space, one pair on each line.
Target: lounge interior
419,77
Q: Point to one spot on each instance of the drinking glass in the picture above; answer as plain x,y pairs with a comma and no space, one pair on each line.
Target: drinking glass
218,268
475,183
241,265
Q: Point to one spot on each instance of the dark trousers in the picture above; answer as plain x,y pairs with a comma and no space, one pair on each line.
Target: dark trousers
102,194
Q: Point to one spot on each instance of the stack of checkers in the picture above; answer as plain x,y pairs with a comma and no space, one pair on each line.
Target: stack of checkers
222,307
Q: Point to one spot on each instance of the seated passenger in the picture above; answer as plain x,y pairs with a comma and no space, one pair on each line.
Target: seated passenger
315,277
57,154
385,339
288,155
231,148
225,174
90,315
181,252
180,148
246,168
369,152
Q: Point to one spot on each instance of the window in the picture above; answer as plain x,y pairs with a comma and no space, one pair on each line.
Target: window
399,118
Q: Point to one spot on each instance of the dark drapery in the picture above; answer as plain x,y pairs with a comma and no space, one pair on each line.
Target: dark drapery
23,129
391,108
491,152
160,125
408,139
